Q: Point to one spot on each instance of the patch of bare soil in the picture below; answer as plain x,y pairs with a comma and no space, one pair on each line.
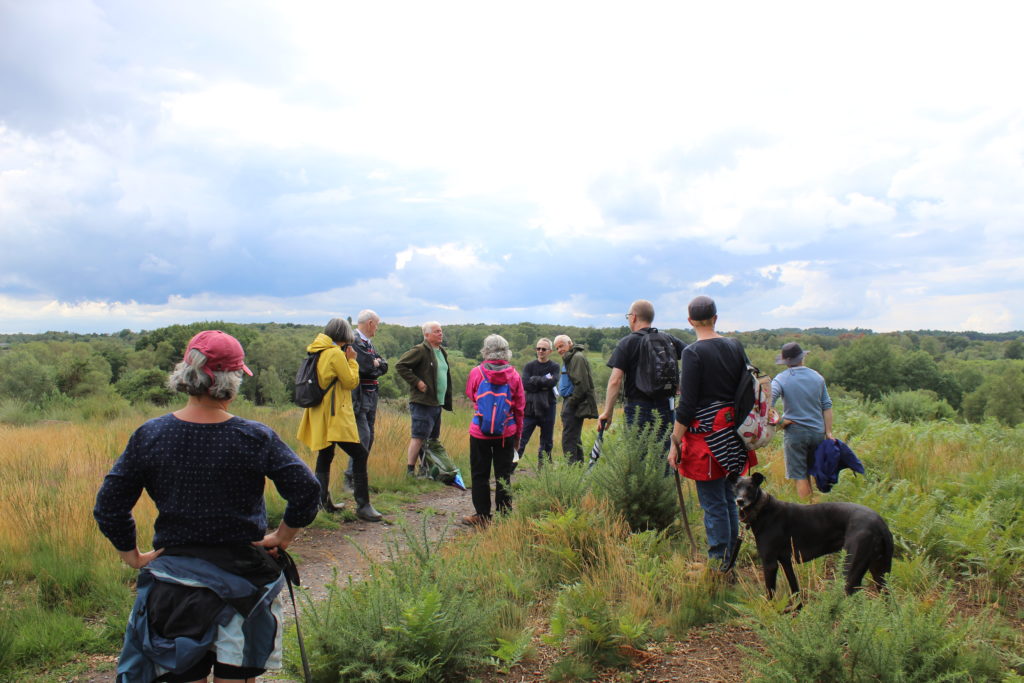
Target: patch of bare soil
708,654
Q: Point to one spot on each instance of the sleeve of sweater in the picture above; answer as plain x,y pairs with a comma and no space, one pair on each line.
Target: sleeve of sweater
689,387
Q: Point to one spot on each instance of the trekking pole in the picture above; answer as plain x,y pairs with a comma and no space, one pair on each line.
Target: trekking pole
291,575
682,511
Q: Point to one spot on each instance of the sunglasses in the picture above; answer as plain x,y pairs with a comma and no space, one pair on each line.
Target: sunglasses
541,348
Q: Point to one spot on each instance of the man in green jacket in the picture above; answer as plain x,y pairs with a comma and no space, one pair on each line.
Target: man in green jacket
425,368
579,400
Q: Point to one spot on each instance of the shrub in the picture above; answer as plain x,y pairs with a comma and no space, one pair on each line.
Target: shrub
631,475
892,637
145,385
585,622
913,406
411,620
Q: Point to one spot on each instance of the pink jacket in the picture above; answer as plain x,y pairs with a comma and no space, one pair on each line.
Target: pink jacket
498,372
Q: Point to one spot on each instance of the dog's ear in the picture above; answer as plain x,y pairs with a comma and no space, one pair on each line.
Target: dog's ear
732,477
757,478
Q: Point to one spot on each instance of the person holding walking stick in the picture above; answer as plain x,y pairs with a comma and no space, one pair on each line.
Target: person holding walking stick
704,445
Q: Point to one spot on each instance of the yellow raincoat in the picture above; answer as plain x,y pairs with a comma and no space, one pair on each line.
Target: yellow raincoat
318,428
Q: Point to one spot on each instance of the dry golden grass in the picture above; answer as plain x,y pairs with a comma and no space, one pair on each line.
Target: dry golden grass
51,475
52,471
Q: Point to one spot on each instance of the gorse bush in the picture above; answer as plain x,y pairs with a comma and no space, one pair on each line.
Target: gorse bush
890,637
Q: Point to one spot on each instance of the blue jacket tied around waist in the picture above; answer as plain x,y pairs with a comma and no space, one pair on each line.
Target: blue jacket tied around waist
245,640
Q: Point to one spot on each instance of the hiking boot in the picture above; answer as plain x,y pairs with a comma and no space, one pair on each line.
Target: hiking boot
410,474
477,520
326,503
364,510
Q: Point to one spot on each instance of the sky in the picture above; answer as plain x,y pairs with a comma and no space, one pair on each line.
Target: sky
805,164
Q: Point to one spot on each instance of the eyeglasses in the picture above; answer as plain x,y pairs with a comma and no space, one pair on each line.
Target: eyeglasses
629,314
541,348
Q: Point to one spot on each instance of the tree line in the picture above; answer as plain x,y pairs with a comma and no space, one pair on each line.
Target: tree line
927,373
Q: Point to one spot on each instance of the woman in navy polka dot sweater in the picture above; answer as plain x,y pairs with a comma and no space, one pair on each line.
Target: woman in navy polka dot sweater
205,470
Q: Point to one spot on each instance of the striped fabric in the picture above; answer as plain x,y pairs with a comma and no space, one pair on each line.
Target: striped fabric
724,443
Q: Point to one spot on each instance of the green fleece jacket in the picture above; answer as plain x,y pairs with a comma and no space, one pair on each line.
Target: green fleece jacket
418,363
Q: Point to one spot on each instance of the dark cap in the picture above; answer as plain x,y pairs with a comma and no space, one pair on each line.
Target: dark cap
792,355
702,308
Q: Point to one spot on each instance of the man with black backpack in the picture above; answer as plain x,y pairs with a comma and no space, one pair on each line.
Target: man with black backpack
645,365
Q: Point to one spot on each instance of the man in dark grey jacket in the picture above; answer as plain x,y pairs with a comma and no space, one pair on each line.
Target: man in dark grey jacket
425,368
364,397
579,400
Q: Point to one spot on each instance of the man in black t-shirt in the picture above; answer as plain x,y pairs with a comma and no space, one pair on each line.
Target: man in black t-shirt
640,407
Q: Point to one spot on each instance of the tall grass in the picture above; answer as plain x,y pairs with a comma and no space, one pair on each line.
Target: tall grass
952,494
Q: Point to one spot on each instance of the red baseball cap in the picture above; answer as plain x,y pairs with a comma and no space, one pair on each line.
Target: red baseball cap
223,352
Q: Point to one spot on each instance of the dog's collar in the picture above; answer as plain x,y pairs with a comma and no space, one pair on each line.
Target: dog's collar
750,513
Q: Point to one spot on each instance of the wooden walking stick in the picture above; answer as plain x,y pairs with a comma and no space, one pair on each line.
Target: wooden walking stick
679,492
682,512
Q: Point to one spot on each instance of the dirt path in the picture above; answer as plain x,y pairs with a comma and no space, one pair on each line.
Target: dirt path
708,654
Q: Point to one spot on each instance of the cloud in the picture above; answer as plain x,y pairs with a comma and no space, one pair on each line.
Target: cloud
265,161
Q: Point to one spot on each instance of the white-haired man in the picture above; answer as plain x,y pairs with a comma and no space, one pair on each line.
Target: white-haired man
371,367
425,369
579,400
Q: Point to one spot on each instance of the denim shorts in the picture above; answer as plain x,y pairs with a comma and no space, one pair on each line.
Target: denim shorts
799,444
426,421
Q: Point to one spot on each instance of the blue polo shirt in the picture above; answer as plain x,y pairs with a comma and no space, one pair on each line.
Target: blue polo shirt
804,396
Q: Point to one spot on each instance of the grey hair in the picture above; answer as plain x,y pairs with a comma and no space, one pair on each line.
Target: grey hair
339,330
563,338
551,344
190,377
366,315
428,325
495,348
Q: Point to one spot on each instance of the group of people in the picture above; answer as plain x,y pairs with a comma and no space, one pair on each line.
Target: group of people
209,594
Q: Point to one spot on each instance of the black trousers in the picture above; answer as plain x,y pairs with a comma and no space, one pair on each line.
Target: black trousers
547,432
483,454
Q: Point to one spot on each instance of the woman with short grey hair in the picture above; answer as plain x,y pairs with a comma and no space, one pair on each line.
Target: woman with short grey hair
206,470
191,377
332,421
495,348
496,390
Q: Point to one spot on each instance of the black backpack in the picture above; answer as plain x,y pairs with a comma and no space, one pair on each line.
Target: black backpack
657,369
307,387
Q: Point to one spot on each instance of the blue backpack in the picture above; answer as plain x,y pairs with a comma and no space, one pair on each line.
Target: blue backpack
493,408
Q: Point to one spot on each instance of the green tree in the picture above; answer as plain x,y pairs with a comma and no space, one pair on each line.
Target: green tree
1014,350
25,378
867,365
271,389
1005,397
82,372
145,385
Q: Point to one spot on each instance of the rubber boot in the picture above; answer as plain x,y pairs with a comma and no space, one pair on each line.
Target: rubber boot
364,510
325,493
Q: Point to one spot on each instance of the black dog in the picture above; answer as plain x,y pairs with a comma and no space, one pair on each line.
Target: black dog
810,531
